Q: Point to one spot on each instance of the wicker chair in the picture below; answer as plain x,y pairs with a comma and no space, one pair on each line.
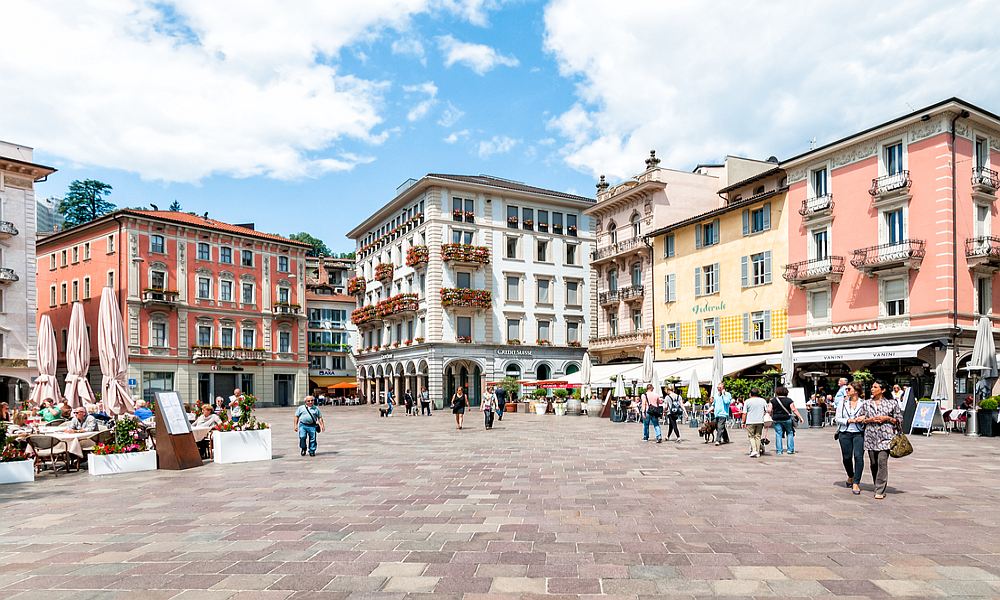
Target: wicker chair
46,446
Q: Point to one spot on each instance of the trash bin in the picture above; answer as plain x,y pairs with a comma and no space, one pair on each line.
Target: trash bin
817,416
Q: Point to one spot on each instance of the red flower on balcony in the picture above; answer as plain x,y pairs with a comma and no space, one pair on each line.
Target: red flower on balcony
458,214
462,297
408,342
383,271
466,253
397,304
363,314
512,220
417,255
356,286
464,339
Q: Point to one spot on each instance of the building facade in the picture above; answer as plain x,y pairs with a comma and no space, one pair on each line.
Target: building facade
18,302
622,262
716,275
49,218
330,334
892,254
207,306
463,280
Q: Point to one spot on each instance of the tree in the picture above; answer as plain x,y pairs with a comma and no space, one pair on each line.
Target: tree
346,255
175,206
85,202
318,246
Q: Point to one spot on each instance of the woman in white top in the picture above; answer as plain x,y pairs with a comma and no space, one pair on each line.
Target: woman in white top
207,418
851,434
489,405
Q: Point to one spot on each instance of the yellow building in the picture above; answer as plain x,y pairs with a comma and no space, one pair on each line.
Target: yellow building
719,274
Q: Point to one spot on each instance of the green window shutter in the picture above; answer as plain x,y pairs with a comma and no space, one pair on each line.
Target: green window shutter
767,216
745,271
673,288
746,221
697,281
718,278
767,266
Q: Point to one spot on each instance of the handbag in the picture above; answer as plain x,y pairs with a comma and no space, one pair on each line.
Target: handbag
900,445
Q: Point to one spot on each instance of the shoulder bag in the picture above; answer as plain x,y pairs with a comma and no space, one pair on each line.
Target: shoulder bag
900,445
654,411
313,417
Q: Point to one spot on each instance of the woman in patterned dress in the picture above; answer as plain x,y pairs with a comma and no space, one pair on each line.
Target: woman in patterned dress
882,418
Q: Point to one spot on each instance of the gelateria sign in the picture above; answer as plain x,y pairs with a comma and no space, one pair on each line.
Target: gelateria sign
707,308
856,327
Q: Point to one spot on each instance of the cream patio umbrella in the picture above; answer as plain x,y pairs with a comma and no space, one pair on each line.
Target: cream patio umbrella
113,355
787,361
585,369
648,372
78,390
46,387
982,365
718,366
694,392
940,390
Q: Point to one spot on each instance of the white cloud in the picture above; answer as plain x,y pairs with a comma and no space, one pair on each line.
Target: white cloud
179,90
474,11
450,115
746,78
410,46
478,57
420,109
498,144
454,136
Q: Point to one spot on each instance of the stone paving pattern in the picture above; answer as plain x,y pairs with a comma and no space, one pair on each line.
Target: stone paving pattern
564,507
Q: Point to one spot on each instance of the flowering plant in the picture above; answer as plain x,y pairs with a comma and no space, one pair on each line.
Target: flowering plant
363,314
396,304
465,339
470,215
465,253
512,220
408,342
544,342
383,271
245,421
417,255
571,229
574,344
419,340
466,297
458,213
528,222
129,436
10,452
356,285
513,342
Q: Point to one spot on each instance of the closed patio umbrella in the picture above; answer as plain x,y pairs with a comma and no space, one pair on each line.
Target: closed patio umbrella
585,369
619,389
46,387
787,361
113,355
718,366
78,390
940,390
694,389
647,365
984,351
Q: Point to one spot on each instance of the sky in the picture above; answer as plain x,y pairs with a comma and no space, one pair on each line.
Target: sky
308,119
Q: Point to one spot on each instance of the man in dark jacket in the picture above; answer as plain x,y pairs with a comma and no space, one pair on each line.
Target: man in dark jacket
501,395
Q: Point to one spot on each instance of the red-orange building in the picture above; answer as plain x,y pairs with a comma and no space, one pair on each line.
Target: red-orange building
208,306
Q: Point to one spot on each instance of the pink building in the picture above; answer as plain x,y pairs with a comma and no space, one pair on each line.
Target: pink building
891,251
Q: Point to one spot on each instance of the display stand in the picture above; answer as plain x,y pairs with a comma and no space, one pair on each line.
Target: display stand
175,445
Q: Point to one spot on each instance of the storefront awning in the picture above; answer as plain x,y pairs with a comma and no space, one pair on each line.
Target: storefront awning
849,354
600,375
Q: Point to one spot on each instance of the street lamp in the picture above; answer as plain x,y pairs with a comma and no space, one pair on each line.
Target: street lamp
971,420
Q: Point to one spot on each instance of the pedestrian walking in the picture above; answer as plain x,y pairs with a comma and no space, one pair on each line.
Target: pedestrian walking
784,414
851,434
675,411
458,403
720,410
882,419
308,422
754,410
488,406
501,395
388,403
408,400
425,402
651,409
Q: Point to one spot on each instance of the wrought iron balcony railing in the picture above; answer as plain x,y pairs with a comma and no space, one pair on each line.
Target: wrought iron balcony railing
985,178
888,184
818,205
907,253
830,268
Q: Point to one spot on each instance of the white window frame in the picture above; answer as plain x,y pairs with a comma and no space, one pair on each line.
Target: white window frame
810,315
673,331
288,264
506,291
154,271
813,192
284,335
507,239
288,293
110,244
53,295
464,232
579,293
669,246
223,281
253,258
538,330
989,294
507,324
232,332
86,287
987,225
472,326
882,300
211,334
152,333
575,248
198,250
253,293
548,250
86,251
253,337
222,252
570,326
163,248
548,286
883,169
813,254
883,225
753,333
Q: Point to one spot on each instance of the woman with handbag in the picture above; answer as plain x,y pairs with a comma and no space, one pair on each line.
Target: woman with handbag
458,403
489,406
882,420
652,409
851,434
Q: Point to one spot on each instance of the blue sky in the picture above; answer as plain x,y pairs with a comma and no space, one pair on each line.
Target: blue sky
309,120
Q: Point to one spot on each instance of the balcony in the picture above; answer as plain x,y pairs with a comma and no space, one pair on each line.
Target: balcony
237,354
400,305
820,206
630,293
609,297
617,249
417,257
384,272
465,255
334,348
7,275
636,340
287,311
356,286
983,253
7,229
985,182
154,296
890,187
466,298
817,270
891,257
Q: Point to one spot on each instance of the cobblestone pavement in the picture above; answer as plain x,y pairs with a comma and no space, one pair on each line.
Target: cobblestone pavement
409,507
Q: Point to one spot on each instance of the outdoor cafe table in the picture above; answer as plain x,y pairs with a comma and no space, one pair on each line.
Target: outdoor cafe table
71,440
200,432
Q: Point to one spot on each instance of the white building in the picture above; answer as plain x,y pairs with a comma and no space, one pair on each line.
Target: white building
463,280
18,304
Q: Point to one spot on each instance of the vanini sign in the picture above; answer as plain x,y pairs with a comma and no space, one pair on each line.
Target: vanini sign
856,327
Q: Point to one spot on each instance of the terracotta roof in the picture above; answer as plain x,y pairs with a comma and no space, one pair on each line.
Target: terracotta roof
762,175
197,221
507,184
330,297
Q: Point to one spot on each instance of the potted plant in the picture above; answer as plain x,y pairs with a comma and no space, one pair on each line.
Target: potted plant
512,386
15,466
126,453
559,404
540,404
243,440
987,416
574,404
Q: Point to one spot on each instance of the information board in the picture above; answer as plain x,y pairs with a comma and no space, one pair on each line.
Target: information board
798,396
927,416
174,417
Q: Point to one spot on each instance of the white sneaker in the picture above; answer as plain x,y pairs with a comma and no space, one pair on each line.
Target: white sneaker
754,455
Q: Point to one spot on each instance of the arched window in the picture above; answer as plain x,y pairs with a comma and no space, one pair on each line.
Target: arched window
572,368
543,372
635,225
613,232
636,274
612,279
758,190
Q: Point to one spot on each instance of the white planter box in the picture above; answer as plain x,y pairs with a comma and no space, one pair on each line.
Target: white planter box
560,408
128,462
241,446
20,471
541,407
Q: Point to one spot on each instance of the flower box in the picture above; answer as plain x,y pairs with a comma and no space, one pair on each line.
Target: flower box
513,342
18,471
384,271
464,339
123,462
574,344
417,256
356,286
462,297
419,340
544,343
241,446
465,253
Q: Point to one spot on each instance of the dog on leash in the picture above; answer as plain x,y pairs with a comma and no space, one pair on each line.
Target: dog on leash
707,431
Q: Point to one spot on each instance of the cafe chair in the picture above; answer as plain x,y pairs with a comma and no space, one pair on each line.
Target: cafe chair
151,438
56,423
48,447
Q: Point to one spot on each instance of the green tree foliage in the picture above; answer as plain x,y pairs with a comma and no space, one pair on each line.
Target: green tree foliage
318,246
85,201
175,206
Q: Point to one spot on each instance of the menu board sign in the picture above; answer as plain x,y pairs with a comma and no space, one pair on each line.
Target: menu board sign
172,409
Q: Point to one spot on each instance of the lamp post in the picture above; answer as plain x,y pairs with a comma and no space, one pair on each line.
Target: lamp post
971,420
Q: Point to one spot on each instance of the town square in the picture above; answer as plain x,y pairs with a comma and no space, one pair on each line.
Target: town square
499,299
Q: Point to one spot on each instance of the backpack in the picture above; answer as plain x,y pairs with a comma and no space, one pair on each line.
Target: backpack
676,409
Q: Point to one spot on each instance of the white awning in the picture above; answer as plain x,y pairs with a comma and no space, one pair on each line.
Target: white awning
849,354
600,375
730,365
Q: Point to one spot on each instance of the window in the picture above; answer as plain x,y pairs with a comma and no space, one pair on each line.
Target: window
158,280
571,254
86,251
706,234
111,244
461,236
612,280
543,331
571,225
158,339
249,338
52,262
819,306
668,245
573,293
527,218
513,288
226,339
543,220
706,280
572,332
893,155
246,258
156,244
282,264
894,297
636,319
247,296
226,290
512,220
613,232
613,323
757,219
65,340
52,295
673,336
86,287
756,269
636,275
820,244
757,326
76,254
62,258
62,293
635,222
543,291
204,335
226,255
284,341
111,279
982,153
512,246
894,226
670,288
708,331
819,183
464,327
204,251
557,223
284,295
543,251
1,302
204,288
984,295
76,290
463,280
982,220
